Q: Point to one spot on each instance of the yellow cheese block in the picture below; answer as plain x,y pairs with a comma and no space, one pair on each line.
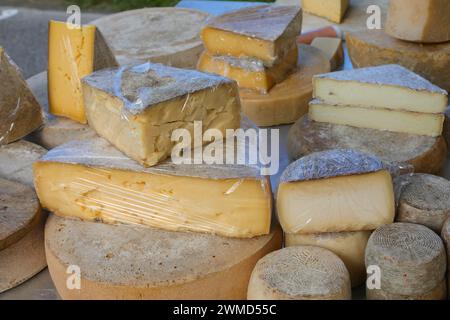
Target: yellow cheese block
424,21
250,73
73,54
263,32
91,180
333,10
427,124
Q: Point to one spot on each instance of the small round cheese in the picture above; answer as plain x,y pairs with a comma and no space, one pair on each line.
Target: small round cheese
300,273
438,293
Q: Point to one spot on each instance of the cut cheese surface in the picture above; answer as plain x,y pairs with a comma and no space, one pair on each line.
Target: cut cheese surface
427,124
300,273
146,263
73,54
431,25
335,191
245,32
349,246
93,181
389,86
20,113
138,107
438,293
250,73
333,10
333,49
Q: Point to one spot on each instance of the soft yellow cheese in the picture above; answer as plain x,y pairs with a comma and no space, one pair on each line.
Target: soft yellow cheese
345,203
333,10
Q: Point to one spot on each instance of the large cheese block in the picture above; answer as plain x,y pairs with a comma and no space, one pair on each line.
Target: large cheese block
334,191
19,211
16,161
250,73
349,246
333,49
246,32
287,101
174,39
438,293
421,21
426,154
333,10
389,86
427,124
91,180
446,132
423,199
137,107
20,112
130,262
411,258
25,258
374,48
72,54
300,273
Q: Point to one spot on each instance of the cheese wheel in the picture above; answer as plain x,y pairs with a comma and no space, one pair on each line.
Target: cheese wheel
446,131
425,154
131,262
164,35
19,211
24,259
287,101
445,234
438,293
410,256
349,246
300,273
423,199
375,47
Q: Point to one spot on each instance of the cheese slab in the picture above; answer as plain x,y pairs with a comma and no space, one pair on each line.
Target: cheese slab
146,263
287,101
426,154
374,48
423,199
333,49
389,86
438,293
245,32
348,246
411,258
20,112
19,211
137,107
300,273
334,191
430,26
333,10
92,180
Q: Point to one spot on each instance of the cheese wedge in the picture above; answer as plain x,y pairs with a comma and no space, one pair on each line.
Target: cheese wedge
333,10
73,54
389,86
91,180
137,107
334,191
263,32
20,113
248,72
427,124
333,49
424,21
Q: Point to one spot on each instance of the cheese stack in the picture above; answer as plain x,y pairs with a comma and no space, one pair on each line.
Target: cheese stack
387,97
334,199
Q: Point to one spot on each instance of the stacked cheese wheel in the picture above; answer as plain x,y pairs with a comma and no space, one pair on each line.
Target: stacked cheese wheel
446,237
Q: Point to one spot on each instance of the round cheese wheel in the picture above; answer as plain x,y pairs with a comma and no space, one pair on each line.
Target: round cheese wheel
164,35
300,273
446,131
288,100
131,262
24,259
423,199
349,246
445,234
375,47
425,154
411,258
438,293
19,211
